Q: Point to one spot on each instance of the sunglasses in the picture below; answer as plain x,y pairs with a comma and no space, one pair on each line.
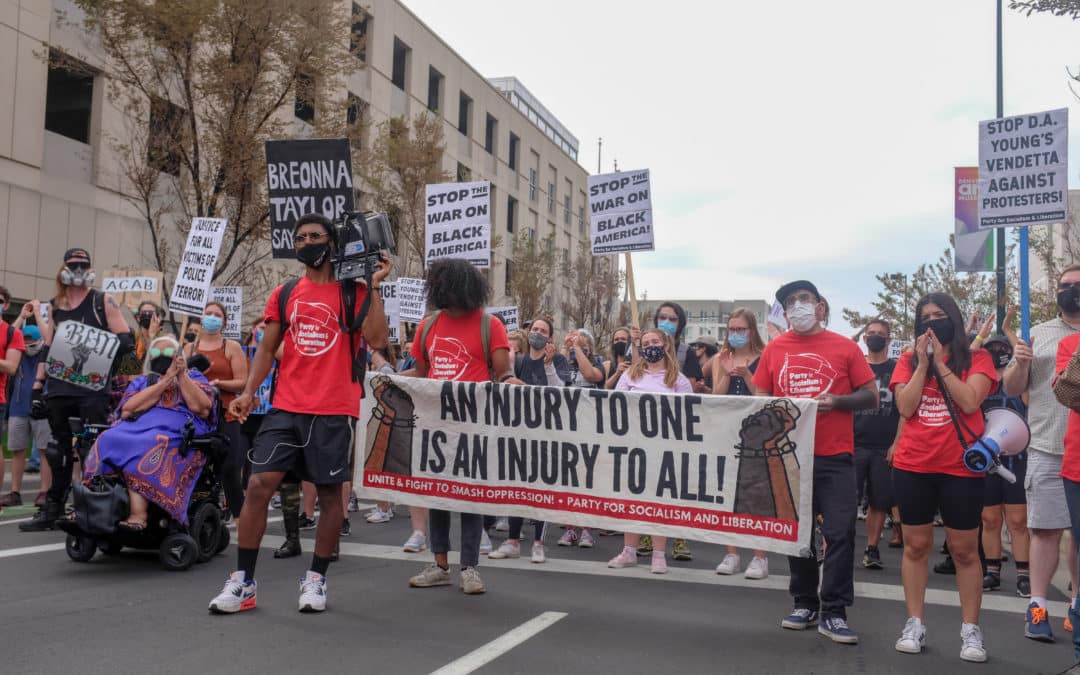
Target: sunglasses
77,266
310,236
168,351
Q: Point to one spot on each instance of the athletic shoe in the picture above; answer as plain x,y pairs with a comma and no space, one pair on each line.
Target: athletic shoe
972,649
42,521
471,583
680,550
586,540
538,555
1037,624
758,568
354,504
32,468
946,566
644,546
568,538
913,638
417,542
1023,586
871,559
485,543
432,575
502,525
275,502
836,629
800,619
290,548
313,592
991,581
729,565
379,516
306,523
346,528
237,595
861,515
11,499
659,563
507,549
626,558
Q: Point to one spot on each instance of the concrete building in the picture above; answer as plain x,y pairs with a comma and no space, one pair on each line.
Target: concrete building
58,185
1060,233
708,317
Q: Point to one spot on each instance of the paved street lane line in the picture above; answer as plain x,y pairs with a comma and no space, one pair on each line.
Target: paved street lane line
29,550
500,645
16,520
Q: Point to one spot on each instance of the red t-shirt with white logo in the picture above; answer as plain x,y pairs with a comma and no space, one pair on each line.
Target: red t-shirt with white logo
315,374
1070,464
807,366
928,443
18,343
455,348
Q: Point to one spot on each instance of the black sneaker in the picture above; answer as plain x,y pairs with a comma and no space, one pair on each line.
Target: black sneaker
42,521
306,523
1023,585
289,549
346,528
871,559
946,566
991,581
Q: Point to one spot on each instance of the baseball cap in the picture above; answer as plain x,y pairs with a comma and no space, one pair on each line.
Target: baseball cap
998,339
792,286
76,254
31,333
706,341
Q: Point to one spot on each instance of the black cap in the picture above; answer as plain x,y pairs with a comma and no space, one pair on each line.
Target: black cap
792,286
997,339
318,218
76,253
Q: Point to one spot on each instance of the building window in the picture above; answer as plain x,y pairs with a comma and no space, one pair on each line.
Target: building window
434,90
401,64
463,173
511,213
305,97
509,276
166,130
532,184
490,129
581,219
566,209
69,97
357,111
514,141
551,197
358,38
464,114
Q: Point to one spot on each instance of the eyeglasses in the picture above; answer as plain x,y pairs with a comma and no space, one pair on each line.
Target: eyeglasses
310,236
167,352
740,330
805,296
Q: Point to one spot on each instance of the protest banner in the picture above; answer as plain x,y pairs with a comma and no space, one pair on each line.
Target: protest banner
233,299
458,222
191,288
306,176
392,308
133,287
1023,169
620,212
721,469
81,355
973,248
412,299
508,315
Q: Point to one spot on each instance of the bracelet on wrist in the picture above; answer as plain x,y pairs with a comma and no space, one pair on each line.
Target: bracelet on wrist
980,339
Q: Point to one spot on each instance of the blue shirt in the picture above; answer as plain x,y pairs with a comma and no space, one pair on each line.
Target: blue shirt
23,388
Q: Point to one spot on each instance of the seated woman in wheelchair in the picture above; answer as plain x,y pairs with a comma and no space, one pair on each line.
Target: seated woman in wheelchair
144,446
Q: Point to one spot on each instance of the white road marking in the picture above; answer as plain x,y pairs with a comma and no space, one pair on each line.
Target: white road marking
489,652
29,550
16,520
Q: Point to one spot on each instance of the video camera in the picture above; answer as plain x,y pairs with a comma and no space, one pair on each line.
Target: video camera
360,238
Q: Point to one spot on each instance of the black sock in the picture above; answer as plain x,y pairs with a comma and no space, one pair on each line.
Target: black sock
1022,567
871,548
993,565
319,565
245,560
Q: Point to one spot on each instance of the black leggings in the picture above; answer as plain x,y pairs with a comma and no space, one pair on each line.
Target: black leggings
516,525
232,468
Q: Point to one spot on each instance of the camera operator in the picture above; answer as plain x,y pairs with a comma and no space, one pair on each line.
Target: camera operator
310,427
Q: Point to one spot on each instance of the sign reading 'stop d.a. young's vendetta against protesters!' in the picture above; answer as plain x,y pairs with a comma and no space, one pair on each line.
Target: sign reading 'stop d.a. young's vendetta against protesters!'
620,212
412,299
191,288
458,222
722,469
306,176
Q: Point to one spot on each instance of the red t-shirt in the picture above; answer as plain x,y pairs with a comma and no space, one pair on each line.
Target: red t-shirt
18,343
1070,464
455,348
315,374
807,366
928,443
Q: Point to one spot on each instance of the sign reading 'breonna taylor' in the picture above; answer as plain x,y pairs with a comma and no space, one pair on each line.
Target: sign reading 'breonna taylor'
722,469
620,212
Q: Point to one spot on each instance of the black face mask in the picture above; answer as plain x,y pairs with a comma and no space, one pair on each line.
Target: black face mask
160,364
313,255
618,349
1069,300
943,329
1001,358
876,343
189,337
145,318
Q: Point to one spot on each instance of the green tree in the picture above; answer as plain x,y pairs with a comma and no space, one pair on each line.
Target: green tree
532,268
1069,8
591,286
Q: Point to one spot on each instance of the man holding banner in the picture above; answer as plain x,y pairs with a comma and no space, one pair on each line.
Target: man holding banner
811,362
311,426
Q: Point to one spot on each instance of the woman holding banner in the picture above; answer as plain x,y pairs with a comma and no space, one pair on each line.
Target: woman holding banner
656,372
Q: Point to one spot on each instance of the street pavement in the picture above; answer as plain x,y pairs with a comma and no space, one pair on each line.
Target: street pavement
125,614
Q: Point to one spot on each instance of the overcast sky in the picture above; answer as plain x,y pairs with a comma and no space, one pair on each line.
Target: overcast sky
786,139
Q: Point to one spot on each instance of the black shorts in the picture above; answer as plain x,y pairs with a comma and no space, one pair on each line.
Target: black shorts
1000,491
872,470
317,448
921,495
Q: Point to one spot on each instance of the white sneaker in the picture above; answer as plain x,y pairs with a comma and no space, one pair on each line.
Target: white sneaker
757,569
502,525
417,542
236,596
973,649
471,583
913,637
379,516
485,543
538,555
313,592
432,575
507,549
729,565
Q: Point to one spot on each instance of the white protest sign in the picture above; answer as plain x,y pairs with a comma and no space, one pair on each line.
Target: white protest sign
1023,169
191,289
412,299
776,316
233,299
82,355
620,212
391,307
896,347
458,222
131,288
508,315
721,469
129,285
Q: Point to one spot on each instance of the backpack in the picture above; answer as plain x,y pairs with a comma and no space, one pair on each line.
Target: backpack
485,338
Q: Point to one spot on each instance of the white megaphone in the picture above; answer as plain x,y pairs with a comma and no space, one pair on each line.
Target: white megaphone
1007,433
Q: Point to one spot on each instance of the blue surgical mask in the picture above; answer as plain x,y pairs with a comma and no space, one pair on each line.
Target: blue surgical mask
258,336
737,340
212,324
668,327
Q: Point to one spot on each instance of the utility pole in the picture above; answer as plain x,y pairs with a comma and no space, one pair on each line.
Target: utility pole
999,236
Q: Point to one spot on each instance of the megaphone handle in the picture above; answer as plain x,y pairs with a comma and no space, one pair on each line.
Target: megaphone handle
1003,472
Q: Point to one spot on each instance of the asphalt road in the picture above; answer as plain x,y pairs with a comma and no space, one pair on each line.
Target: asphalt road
125,614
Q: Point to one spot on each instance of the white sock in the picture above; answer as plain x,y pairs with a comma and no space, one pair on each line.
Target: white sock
1041,602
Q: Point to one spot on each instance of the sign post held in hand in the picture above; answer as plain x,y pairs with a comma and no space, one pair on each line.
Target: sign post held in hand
191,289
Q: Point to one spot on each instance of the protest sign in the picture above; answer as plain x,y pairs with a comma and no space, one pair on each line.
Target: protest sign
508,315
412,299
82,355
458,222
391,307
262,394
306,176
973,248
721,469
191,288
896,347
620,212
133,287
1023,167
233,299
